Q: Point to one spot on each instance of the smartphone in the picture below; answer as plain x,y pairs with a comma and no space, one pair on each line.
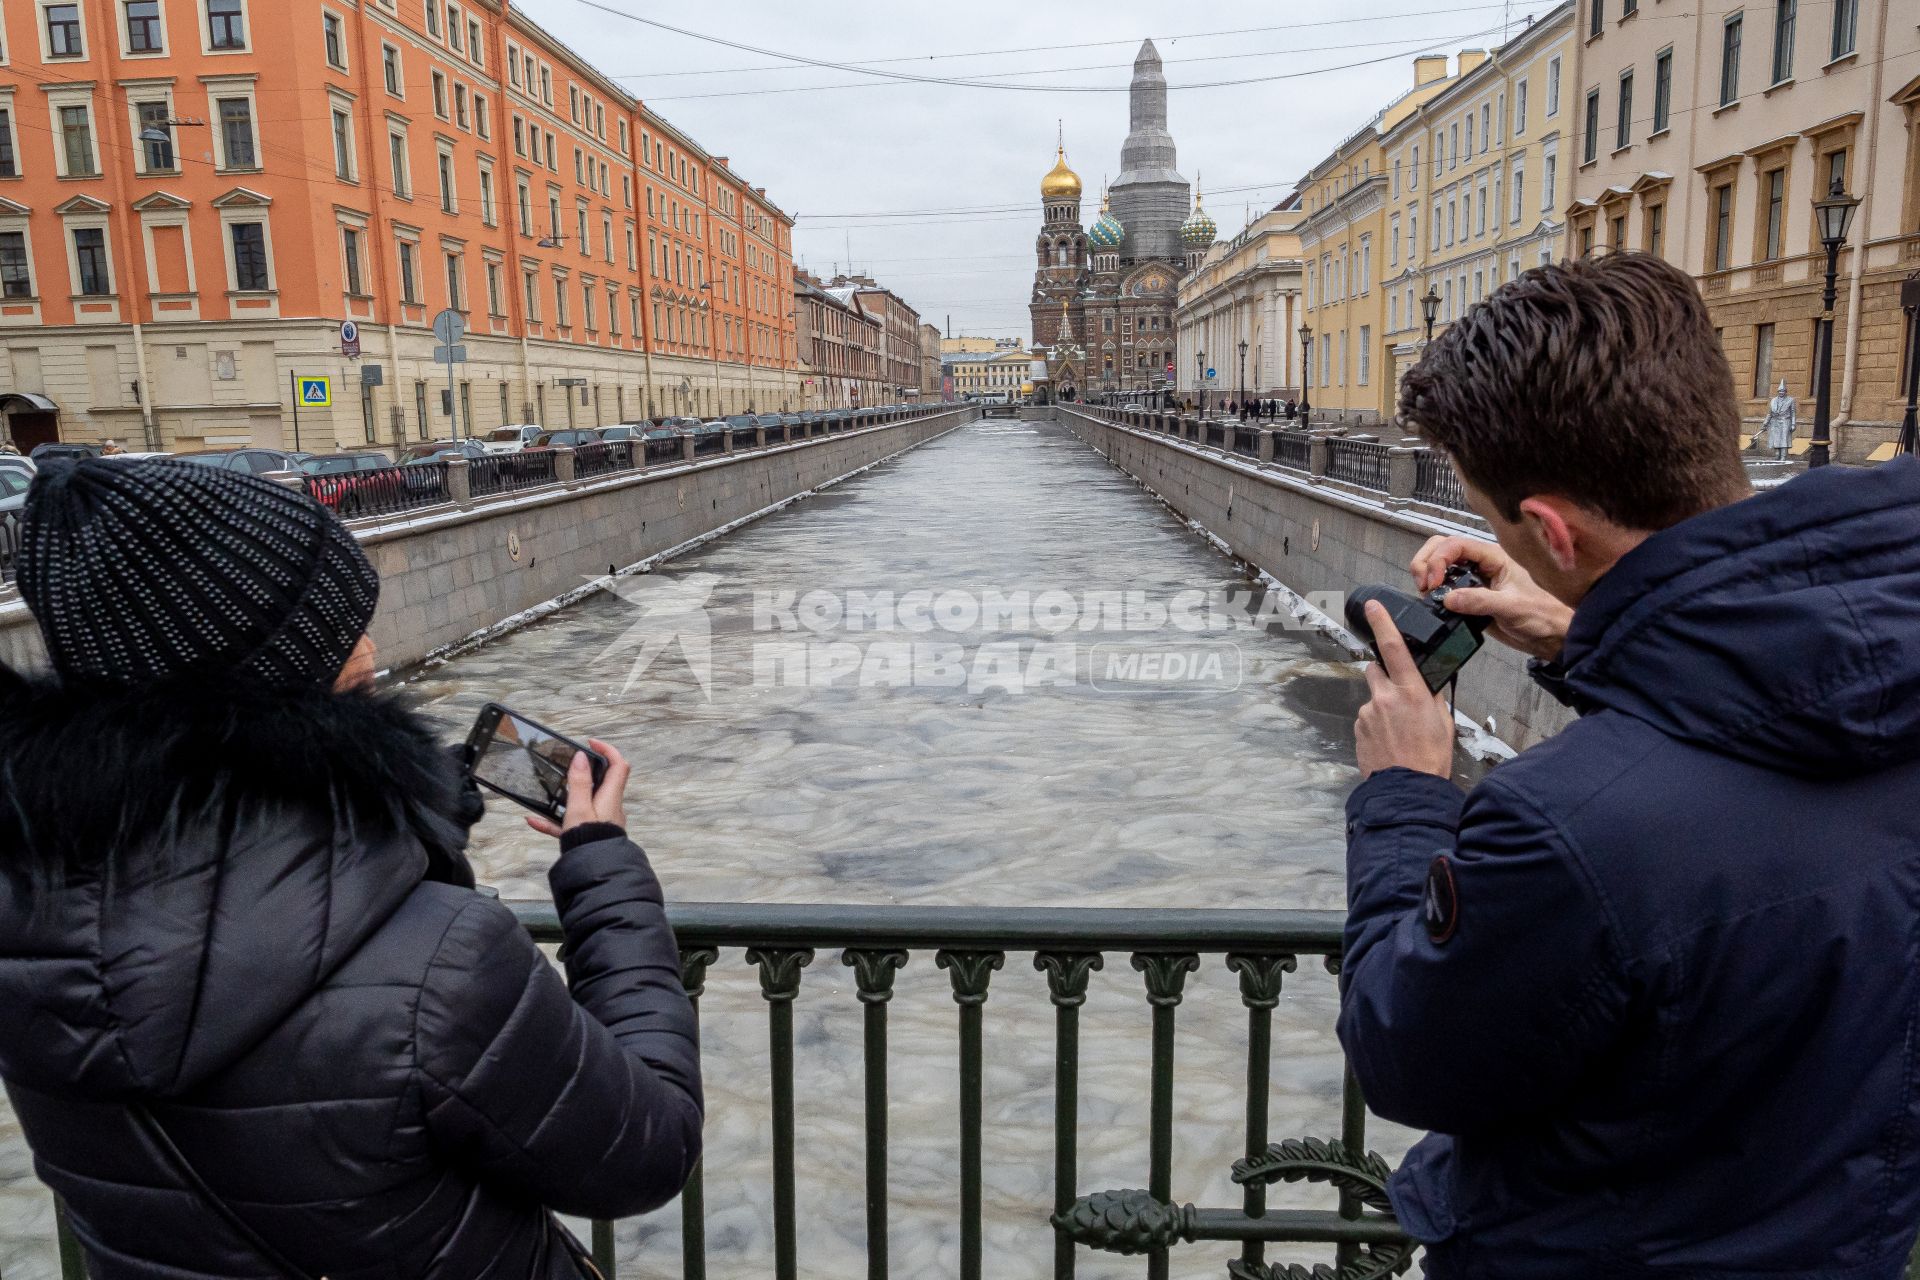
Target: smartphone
526,762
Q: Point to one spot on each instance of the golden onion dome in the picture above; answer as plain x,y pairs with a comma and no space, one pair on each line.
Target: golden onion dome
1061,183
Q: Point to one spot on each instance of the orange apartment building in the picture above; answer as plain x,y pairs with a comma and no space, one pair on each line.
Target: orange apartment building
195,194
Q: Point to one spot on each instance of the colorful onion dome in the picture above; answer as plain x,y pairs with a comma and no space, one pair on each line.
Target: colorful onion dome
1199,231
1107,233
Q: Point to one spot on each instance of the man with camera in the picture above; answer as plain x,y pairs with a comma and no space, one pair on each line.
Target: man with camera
1651,985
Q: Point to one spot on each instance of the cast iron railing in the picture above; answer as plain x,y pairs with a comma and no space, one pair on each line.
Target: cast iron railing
382,492
605,458
1361,462
662,449
1437,482
1246,440
1291,449
510,472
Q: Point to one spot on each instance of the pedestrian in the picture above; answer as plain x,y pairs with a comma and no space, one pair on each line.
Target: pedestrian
254,1017
1782,420
1293,407
7,446
110,448
1626,964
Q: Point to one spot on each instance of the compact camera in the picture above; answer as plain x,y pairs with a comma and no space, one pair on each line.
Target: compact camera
1440,640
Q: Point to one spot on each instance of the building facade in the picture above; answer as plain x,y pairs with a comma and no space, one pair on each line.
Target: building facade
999,374
1246,290
930,373
899,356
1103,298
1343,244
1475,181
840,348
196,194
1705,136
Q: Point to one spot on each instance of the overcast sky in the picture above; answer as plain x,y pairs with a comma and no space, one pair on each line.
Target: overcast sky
955,170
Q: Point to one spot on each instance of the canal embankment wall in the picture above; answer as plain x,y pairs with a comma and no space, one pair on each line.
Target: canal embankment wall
1312,534
453,575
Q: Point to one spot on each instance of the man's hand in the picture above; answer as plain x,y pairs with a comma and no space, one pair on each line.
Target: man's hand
1524,616
1403,725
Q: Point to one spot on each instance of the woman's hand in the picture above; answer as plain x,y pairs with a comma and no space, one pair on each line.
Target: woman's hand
586,804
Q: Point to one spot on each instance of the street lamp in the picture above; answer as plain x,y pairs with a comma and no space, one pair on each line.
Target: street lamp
1832,217
1430,308
1200,379
1306,374
1243,377
1910,303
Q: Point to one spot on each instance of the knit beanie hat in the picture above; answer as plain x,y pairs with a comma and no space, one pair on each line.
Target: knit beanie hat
140,570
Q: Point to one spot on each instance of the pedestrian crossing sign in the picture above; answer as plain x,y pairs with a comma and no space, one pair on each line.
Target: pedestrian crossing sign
316,393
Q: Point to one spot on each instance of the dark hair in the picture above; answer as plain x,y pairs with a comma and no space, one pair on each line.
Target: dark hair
1599,380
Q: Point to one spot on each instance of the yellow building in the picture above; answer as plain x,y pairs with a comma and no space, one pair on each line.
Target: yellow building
1475,180
1343,244
990,375
964,346
1246,289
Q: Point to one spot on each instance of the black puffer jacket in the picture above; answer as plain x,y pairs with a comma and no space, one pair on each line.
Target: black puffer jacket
376,1068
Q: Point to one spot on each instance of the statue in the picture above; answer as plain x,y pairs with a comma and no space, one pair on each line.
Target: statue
1781,421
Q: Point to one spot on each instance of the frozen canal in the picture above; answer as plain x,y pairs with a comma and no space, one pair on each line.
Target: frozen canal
972,754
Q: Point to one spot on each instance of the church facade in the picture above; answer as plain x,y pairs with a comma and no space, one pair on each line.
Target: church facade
1104,296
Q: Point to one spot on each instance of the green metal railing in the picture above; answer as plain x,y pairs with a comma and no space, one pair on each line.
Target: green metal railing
1067,946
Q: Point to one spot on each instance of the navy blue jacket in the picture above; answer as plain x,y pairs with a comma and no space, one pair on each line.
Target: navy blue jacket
1652,985
243,908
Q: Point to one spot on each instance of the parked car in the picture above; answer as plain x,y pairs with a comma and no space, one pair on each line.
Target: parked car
53,451
436,450
254,461
622,432
563,439
16,462
743,422
341,464
14,482
511,439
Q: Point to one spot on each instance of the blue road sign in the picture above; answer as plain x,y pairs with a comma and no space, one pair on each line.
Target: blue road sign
316,393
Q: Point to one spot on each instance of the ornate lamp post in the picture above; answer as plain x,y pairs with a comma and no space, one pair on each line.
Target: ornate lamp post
1200,379
1306,374
1243,377
1832,218
1430,308
1910,302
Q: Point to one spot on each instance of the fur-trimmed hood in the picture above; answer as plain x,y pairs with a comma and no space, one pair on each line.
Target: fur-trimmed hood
181,864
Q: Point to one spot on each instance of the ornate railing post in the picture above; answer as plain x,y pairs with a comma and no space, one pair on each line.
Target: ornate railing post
970,971
1067,973
780,983
694,962
873,978
1260,979
1166,974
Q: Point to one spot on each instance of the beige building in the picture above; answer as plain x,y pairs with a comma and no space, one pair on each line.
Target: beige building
1247,289
930,362
1475,178
990,374
972,346
1705,134
1343,244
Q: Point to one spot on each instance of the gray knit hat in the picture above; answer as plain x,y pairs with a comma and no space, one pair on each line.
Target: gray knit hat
138,570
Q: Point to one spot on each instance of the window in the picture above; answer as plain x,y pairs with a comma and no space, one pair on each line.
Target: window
250,257
16,277
1617,233
1774,184
1834,171
1846,28
1469,135
494,301
560,303
1762,361
334,39
1486,127
456,34
1785,15
1656,229
90,259
63,31
397,156
453,282
157,156
526,209
480,122
1730,59
420,388
409,273
1520,108
1723,226
1590,140
439,95
473,41
486,196
1553,87
433,17
76,138
9,163
1549,172
143,27
1628,8
1623,128
1519,185
1413,172
446,183
390,69
1596,17
1366,353
1662,89
342,144
226,24
460,105
533,298
350,251
236,132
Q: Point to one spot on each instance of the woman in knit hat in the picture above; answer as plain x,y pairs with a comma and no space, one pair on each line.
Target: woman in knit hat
254,1017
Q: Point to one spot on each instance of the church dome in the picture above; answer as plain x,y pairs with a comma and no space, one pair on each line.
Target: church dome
1199,231
1061,183
1107,233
